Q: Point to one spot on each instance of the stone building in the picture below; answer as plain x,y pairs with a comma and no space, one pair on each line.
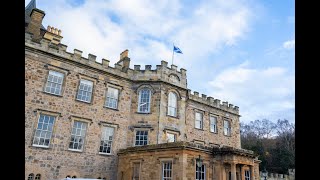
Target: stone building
91,120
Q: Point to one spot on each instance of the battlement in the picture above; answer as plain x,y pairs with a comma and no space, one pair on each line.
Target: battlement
210,101
276,176
121,68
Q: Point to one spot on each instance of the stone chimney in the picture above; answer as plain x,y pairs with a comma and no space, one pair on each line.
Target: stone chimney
34,26
53,34
124,54
124,60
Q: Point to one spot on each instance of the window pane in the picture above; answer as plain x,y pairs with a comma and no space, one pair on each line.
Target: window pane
54,82
78,135
171,137
166,170
85,90
213,122
106,139
172,104
141,138
144,100
197,124
200,172
43,132
112,98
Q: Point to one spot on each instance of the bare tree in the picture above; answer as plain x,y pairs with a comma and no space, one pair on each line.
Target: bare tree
264,128
286,136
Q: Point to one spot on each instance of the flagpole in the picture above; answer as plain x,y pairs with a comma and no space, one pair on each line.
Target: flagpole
172,53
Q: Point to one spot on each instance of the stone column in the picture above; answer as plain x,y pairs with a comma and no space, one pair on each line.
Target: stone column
241,172
252,173
219,171
233,171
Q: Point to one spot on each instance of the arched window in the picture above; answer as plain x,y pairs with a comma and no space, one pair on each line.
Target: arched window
99,178
30,177
68,176
172,104
38,177
144,100
74,176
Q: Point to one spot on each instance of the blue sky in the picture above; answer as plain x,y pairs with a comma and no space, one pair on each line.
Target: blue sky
240,51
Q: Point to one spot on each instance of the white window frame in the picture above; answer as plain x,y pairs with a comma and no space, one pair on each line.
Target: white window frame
172,104
226,129
47,130
201,120
174,137
202,171
82,135
163,170
106,139
55,82
135,137
112,97
213,123
247,175
85,83
140,104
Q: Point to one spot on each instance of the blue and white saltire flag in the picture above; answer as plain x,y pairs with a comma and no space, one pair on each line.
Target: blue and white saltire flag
176,49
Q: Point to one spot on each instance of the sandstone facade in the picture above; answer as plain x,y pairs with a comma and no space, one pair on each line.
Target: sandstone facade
45,54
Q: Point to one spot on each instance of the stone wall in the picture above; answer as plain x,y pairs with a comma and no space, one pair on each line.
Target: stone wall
57,161
151,158
204,134
276,176
183,156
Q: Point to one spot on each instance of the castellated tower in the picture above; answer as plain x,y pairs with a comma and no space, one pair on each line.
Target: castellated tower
95,120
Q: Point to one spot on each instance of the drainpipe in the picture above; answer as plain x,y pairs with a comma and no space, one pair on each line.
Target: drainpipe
158,133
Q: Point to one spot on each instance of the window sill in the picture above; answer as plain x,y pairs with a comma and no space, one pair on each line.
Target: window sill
52,94
176,117
105,154
199,129
111,108
213,132
140,145
83,101
143,112
39,146
75,150
227,135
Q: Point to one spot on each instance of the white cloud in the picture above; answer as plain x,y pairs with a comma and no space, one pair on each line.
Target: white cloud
259,93
289,44
148,28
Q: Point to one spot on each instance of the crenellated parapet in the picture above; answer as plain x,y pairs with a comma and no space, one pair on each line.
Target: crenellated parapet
210,101
161,73
276,176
